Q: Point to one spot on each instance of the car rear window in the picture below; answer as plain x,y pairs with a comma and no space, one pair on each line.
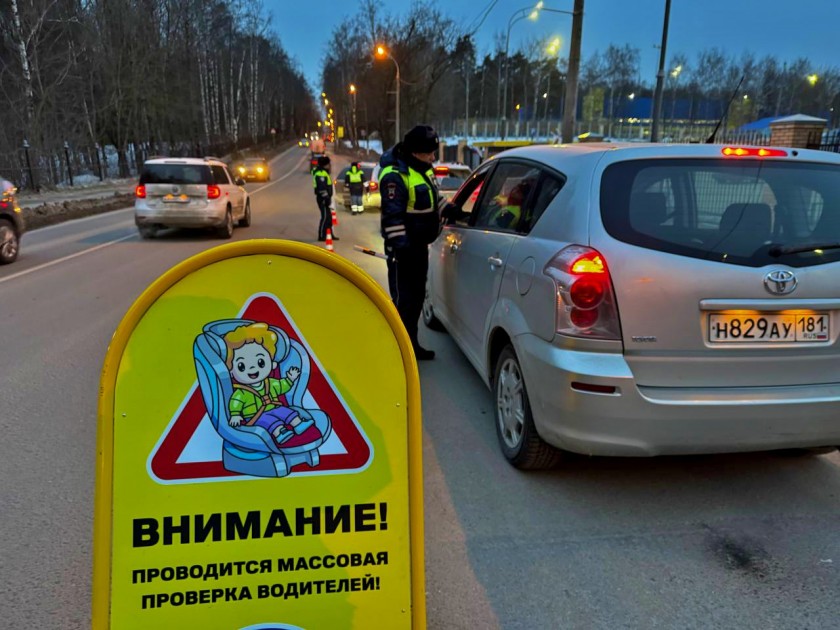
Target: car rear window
741,212
176,174
450,183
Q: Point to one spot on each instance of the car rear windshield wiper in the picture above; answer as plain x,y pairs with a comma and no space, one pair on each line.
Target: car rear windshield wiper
780,250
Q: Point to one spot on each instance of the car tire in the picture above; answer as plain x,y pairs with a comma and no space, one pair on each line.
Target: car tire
147,232
225,230
245,221
518,438
429,319
9,242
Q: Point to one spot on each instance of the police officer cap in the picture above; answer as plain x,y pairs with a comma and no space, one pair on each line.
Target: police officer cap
421,139
323,161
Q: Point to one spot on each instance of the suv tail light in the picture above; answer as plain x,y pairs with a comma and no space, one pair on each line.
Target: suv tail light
213,191
585,300
373,187
140,191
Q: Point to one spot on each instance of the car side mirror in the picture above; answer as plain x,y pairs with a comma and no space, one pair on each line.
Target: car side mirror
239,181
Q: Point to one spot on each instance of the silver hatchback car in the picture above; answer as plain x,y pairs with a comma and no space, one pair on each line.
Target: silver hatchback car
633,300
190,193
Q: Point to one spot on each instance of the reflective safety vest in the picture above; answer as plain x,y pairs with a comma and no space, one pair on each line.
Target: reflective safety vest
354,176
416,185
320,172
506,217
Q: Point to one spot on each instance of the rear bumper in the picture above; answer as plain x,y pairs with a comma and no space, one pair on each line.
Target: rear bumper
210,216
645,421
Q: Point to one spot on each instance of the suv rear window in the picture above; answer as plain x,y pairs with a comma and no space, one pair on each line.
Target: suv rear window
176,174
742,212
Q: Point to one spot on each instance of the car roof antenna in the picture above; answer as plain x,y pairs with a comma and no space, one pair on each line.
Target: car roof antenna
711,139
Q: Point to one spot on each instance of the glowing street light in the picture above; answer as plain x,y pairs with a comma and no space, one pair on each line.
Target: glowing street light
382,53
675,73
813,78
352,89
631,96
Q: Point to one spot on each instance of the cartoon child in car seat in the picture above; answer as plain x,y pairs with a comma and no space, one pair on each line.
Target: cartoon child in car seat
256,396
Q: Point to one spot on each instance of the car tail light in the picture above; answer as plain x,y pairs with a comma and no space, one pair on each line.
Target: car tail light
213,191
140,192
585,300
441,171
373,187
752,152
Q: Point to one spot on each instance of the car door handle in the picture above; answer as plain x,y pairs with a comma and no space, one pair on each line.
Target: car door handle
495,261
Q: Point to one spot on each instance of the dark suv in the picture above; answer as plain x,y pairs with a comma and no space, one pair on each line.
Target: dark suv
12,226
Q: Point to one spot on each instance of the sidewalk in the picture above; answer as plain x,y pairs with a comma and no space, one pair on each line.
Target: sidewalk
98,190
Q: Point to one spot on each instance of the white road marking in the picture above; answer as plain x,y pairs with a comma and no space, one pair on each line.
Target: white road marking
65,258
291,172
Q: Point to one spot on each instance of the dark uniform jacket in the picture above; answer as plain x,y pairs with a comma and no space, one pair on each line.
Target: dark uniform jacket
409,201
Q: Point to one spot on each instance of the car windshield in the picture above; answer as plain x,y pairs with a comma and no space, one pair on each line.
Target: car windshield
742,212
176,174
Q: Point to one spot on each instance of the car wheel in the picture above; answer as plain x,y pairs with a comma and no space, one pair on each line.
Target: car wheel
226,229
9,242
520,443
429,318
147,231
245,221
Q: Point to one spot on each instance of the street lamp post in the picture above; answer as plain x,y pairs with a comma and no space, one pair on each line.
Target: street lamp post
32,183
355,132
98,161
660,77
67,157
520,14
533,13
382,52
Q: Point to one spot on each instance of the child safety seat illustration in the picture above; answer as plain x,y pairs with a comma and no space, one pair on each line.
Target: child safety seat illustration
261,448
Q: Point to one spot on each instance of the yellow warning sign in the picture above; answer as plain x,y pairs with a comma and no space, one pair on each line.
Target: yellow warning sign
259,450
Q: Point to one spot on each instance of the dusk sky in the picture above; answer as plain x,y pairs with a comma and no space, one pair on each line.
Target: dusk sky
785,28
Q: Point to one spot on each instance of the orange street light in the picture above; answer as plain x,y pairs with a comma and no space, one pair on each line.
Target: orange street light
382,52
352,89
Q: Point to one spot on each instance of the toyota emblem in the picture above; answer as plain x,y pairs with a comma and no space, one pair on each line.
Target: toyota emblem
780,282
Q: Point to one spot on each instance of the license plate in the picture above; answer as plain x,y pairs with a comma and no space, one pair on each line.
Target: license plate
170,198
769,328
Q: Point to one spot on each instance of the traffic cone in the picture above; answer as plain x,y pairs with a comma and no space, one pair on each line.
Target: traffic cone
334,217
329,244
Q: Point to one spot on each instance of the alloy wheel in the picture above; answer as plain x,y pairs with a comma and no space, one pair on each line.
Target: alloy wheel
510,403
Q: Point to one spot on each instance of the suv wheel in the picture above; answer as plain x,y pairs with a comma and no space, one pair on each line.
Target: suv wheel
9,243
429,318
518,438
245,221
225,230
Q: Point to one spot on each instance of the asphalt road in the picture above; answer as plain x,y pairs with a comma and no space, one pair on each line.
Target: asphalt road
704,542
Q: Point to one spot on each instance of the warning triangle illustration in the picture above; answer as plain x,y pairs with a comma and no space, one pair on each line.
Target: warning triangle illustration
262,406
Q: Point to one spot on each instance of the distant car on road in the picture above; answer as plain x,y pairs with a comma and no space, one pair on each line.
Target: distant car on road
639,300
313,161
255,169
12,225
190,193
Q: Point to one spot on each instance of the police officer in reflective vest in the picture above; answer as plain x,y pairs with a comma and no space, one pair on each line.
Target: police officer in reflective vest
322,183
410,222
355,179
